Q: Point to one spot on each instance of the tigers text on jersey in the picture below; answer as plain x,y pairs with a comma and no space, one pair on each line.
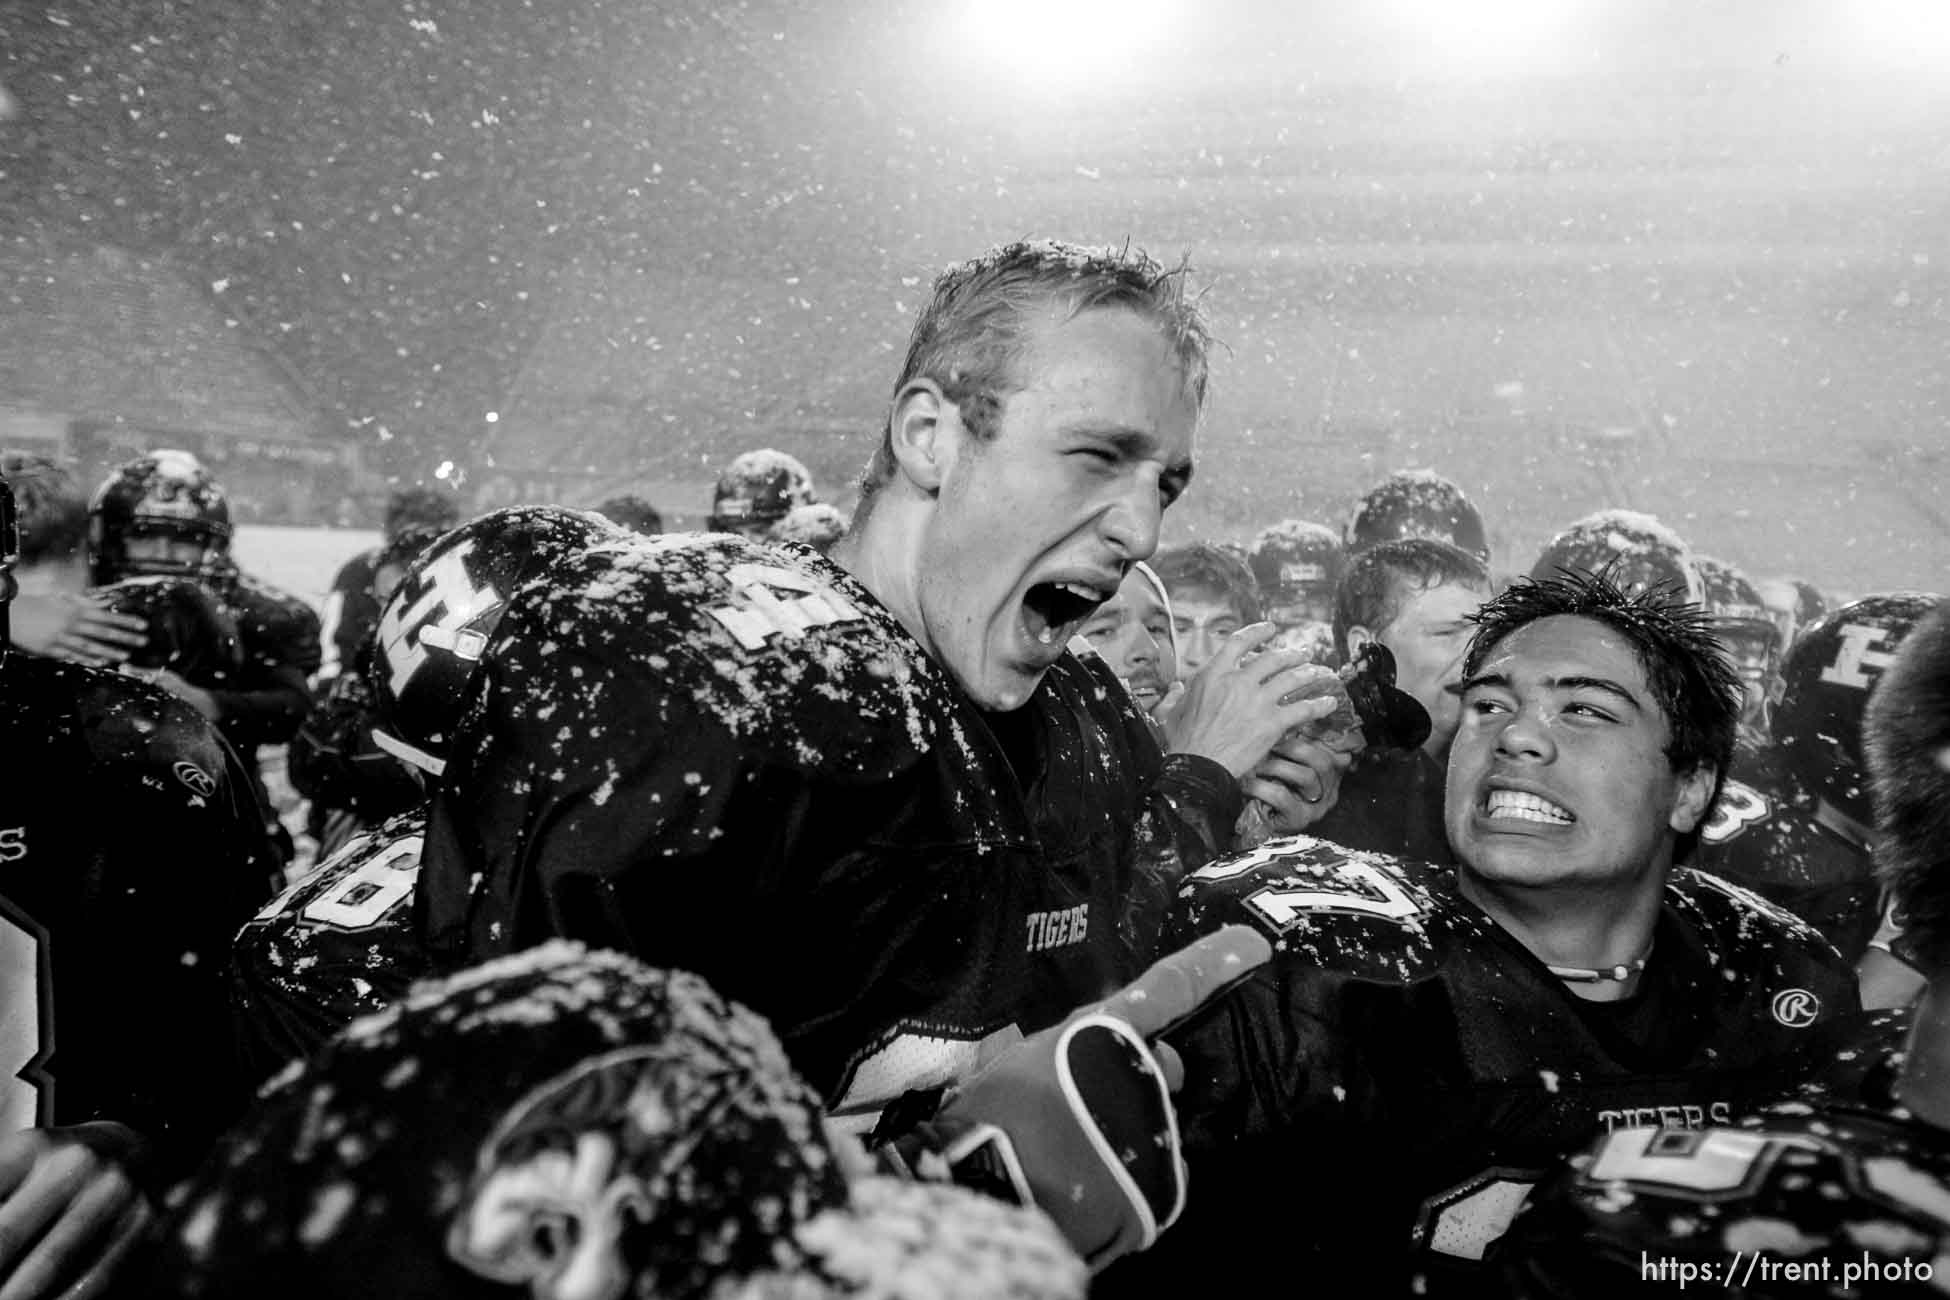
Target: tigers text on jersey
728,757
131,848
1801,1203
1404,1069
336,945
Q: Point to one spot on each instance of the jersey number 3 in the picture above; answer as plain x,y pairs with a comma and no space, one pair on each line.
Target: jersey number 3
1738,807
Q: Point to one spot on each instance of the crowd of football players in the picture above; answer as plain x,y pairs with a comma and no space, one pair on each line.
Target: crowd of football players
968,898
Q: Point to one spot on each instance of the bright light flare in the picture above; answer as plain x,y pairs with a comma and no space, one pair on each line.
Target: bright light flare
1055,45
1489,36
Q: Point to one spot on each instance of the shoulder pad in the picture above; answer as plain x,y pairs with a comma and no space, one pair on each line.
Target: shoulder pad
782,649
1364,915
131,722
1739,929
271,609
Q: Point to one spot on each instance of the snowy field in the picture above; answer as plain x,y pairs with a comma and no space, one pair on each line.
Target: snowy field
301,561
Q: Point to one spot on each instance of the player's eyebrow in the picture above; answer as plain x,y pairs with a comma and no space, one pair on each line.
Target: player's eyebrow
1605,684
1573,682
1135,444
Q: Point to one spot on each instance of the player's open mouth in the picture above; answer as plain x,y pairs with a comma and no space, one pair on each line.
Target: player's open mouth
1053,611
1518,805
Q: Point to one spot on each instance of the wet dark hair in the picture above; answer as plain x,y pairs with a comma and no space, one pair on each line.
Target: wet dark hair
1212,568
971,333
1906,743
1685,665
1382,578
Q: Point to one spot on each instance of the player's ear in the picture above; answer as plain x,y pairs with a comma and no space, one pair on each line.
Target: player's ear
1357,636
918,431
1695,798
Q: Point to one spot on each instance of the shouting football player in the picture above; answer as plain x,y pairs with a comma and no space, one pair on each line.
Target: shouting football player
876,797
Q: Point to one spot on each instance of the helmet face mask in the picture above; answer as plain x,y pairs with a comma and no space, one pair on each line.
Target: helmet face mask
1297,566
757,490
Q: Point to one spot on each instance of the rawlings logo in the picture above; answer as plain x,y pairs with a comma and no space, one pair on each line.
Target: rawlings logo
1796,1008
200,783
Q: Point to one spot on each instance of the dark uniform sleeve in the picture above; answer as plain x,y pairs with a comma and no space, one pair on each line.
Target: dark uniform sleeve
350,615
333,761
184,861
558,832
270,696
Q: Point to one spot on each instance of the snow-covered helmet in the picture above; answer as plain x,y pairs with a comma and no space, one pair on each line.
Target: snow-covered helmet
1417,503
1641,552
1297,565
757,490
165,493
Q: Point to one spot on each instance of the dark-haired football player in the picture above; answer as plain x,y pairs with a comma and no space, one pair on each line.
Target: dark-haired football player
1841,1198
1376,1101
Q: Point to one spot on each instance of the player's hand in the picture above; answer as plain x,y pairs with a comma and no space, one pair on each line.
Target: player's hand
1298,783
1078,1120
76,627
194,696
69,1211
1232,710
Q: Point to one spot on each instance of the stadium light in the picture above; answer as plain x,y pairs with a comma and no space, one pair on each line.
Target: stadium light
1059,45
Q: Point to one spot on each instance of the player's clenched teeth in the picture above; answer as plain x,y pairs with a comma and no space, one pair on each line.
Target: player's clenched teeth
1520,806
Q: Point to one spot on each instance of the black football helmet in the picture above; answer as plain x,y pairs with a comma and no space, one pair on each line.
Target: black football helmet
1825,684
1417,503
164,493
442,616
1297,565
757,490
189,632
1744,625
1641,552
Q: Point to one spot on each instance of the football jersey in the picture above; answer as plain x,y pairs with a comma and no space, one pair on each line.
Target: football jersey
728,757
1802,1202
131,849
1385,1092
265,701
349,615
1764,834
334,946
